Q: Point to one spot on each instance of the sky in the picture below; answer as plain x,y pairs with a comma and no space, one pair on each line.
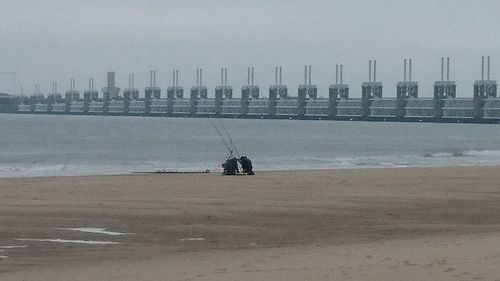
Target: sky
55,40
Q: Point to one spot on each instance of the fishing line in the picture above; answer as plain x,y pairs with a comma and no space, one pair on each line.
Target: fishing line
222,138
231,140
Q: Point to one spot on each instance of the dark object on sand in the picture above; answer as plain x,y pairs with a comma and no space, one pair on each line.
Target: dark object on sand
246,165
173,172
230,167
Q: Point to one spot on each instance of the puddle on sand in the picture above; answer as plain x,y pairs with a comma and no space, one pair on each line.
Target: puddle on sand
193,239
5,248
95,230
11,247
88,242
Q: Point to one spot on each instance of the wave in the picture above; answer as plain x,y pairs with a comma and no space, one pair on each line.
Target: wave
286,162
452,158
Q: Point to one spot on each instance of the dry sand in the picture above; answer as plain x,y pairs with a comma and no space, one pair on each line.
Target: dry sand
370,224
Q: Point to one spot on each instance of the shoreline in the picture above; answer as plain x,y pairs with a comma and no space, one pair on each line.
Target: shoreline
217,172
288,225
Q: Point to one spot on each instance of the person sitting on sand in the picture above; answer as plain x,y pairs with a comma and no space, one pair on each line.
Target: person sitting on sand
246,165
230,167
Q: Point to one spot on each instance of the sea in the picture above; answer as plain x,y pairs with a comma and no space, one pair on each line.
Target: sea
56,145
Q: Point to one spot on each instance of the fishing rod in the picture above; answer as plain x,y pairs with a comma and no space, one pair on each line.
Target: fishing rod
222,139
231,140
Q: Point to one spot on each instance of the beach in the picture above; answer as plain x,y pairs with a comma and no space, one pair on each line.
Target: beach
432,223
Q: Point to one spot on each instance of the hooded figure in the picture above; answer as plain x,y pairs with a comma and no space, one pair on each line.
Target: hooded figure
246,165
230,166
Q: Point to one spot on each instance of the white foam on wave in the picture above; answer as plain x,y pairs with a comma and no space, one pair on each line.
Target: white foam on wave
88,242
95,230
57,170
488,153
293,162
435,159
3,257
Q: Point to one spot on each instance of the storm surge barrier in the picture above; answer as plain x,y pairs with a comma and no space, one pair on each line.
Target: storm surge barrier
444,105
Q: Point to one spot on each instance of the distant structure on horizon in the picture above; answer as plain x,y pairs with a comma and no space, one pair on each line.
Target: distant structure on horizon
444,106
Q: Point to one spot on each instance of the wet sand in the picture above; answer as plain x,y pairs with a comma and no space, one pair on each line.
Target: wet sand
369,224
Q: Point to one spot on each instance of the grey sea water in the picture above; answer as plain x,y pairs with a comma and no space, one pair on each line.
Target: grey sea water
48,145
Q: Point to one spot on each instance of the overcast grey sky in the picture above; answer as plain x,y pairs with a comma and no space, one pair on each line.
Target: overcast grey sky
55,40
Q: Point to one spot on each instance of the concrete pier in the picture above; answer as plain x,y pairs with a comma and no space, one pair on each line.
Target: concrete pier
224,102
306,92
71,95
200,104
337,91
89,96
445,90
249,92
406,89
253,105
130,93
110,91
370,90
277,92
485,91
152,92
174,92
54,101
